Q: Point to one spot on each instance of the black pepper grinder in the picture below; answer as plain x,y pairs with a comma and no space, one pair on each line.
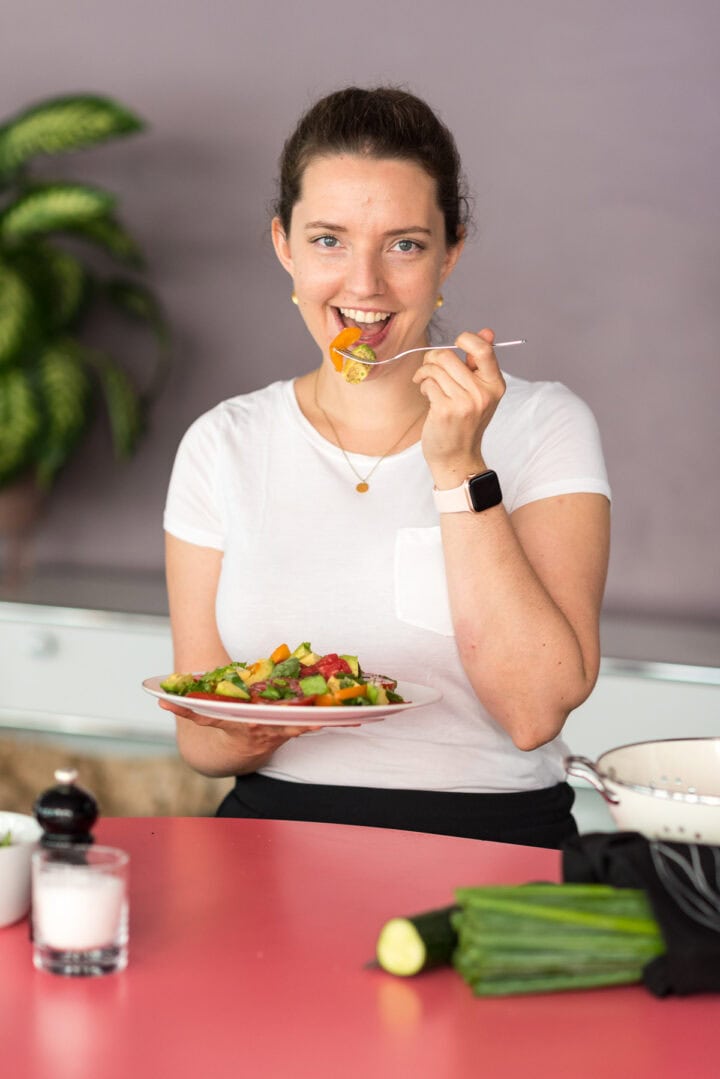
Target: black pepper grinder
66,813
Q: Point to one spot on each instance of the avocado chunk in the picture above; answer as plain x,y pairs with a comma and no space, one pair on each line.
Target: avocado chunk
178,683
301,650
309,659
231,689
257,672
353,663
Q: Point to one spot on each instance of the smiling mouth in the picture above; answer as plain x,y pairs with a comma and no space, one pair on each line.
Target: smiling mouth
372,323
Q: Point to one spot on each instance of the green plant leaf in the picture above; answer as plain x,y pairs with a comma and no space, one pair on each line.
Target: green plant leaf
59,124
16,314
58,281
20,421
108,233
53,208
123,405
139,302
70,284
52,382
65,390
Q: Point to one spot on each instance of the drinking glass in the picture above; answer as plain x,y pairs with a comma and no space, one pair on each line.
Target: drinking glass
80,910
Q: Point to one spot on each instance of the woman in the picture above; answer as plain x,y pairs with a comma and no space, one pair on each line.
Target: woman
337,513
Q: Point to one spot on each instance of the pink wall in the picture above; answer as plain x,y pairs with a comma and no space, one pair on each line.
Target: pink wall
590,137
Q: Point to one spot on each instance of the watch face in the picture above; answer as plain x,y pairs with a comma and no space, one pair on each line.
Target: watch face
484,491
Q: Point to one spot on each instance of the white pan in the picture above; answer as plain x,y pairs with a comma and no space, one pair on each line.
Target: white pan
664,790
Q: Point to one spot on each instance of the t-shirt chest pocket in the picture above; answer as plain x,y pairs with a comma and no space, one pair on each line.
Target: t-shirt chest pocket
421,597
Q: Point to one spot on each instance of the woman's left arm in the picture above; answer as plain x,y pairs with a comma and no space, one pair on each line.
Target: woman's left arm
525,590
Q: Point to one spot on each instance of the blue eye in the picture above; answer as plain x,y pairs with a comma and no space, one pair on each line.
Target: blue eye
408,246
326,241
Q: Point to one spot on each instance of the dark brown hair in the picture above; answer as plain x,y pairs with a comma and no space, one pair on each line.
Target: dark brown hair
384,122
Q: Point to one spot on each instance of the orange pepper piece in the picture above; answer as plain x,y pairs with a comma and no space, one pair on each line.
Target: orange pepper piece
350,691
281,652
344,339
325,700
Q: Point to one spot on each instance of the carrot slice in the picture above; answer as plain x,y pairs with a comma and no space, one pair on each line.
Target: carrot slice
347,337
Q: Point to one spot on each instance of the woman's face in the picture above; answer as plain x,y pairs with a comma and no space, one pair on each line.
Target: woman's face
366,248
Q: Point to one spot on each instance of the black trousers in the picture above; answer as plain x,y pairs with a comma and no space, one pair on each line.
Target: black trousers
538,818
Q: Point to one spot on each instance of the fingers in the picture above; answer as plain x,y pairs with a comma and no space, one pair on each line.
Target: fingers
481,358
463,398
179,710
277,731
444,375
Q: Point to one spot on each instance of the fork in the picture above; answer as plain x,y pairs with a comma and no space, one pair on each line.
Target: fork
347,354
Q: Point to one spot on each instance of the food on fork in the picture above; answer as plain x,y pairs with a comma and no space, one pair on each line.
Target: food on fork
302,677
357,370
347,337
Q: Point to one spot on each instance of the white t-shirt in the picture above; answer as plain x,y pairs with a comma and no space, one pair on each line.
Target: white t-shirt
308,558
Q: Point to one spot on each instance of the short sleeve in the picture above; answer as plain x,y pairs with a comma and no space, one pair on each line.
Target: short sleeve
564,452
192,508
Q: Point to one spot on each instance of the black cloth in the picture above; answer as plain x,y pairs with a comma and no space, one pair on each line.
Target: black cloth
539,818
682,884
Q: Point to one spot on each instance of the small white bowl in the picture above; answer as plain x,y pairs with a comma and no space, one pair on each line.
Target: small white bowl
15,865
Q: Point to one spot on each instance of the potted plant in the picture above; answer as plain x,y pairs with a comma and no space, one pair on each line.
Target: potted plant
53,382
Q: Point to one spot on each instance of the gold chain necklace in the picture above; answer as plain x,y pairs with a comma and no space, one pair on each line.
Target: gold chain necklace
363,484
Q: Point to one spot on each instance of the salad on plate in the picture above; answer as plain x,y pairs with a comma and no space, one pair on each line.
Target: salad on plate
301,677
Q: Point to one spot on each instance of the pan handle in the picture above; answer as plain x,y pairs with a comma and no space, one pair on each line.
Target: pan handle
582,768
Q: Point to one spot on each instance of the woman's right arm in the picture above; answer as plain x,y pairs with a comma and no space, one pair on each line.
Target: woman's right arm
210,746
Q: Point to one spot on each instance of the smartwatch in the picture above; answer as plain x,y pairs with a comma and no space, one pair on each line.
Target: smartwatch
477,493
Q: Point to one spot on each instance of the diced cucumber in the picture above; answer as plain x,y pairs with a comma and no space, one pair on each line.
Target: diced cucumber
407,946
312,684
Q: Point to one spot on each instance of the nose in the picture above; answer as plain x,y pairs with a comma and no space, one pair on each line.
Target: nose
364,276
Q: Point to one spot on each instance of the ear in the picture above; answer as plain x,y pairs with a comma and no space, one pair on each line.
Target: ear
281,245
452,255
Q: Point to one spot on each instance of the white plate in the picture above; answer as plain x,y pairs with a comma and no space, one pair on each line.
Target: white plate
298,715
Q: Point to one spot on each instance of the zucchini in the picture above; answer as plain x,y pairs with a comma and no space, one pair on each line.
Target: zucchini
407,946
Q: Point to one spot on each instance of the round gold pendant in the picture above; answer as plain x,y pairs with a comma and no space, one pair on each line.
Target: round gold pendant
362,487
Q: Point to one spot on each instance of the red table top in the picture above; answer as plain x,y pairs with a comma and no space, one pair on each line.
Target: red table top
248,941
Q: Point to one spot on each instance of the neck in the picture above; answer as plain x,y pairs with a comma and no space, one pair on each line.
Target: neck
364,418
379,403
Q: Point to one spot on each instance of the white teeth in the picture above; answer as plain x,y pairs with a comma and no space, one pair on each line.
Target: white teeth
364,316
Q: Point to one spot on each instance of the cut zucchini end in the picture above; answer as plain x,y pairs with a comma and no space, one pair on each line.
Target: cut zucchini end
400,948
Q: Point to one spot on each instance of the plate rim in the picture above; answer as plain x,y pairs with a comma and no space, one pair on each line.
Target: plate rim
275,714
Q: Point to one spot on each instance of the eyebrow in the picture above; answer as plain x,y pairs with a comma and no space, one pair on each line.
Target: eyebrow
392,232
